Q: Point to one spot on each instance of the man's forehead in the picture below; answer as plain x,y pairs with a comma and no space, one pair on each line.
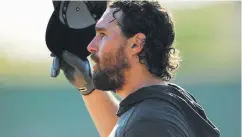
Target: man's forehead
108,17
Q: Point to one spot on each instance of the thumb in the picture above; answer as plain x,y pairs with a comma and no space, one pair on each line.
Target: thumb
55,69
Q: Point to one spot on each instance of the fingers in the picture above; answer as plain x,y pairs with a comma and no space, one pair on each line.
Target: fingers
68,71
73,60
55,69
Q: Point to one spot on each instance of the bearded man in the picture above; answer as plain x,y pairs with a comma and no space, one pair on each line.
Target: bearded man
133,56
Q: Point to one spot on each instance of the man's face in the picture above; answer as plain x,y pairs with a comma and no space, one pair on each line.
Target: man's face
108,51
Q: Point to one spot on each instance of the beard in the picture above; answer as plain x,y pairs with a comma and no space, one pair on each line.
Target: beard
109,75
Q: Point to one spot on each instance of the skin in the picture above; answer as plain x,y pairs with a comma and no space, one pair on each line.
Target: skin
102,105
108,41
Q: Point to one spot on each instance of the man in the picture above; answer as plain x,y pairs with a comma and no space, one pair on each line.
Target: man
133,57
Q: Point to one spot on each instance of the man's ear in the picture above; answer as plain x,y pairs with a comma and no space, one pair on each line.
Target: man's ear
138,43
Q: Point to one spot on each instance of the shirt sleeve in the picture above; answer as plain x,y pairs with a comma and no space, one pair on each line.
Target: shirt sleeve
149,128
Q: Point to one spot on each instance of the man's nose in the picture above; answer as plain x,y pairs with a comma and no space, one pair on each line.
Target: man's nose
92,46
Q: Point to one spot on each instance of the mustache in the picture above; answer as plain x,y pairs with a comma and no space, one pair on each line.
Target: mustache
94,58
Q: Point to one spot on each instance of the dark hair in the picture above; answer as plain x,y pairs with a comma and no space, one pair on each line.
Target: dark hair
154,21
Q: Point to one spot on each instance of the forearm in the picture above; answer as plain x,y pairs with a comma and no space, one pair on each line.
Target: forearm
102,106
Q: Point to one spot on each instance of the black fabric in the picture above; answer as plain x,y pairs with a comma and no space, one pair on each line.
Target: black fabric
56,4
60,37
175,108
155,118
148,128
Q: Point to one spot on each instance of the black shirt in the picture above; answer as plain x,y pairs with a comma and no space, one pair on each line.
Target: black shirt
162,111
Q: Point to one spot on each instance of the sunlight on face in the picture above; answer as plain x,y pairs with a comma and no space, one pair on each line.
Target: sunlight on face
108,51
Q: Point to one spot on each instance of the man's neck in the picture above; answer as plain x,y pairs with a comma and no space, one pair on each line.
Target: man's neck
136,79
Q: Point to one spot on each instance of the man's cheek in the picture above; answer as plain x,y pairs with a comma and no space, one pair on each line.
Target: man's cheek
103,64
106,60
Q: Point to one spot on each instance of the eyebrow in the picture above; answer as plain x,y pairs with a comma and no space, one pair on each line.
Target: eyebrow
100,29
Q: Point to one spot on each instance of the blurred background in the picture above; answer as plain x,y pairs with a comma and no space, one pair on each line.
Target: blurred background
32,104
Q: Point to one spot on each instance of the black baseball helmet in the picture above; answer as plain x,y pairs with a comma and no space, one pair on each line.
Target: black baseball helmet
72,26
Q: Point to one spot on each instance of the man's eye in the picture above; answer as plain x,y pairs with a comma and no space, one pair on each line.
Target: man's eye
102,35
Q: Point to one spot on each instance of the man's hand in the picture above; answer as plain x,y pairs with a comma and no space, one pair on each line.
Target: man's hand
55,69
77,71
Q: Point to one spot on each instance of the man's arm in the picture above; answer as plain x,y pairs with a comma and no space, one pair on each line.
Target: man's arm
102,106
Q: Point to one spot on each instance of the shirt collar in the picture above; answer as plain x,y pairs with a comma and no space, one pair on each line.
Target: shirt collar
139,96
